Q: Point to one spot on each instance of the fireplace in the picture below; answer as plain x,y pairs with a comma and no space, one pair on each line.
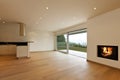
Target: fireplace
108,52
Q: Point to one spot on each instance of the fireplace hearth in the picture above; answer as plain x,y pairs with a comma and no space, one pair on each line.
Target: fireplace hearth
107,51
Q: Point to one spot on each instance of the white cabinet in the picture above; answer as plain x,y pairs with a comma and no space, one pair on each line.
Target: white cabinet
22,51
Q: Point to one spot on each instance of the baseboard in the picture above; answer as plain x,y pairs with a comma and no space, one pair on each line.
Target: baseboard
40,51
102,64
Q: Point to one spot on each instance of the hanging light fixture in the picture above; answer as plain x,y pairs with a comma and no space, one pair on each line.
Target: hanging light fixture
22,29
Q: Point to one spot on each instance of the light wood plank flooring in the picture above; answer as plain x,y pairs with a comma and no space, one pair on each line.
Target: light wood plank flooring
54,66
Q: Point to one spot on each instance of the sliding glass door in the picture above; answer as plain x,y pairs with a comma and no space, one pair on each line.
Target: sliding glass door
78,44
62,43
74,42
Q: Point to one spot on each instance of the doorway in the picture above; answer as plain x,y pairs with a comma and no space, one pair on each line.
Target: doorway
74,43
78,43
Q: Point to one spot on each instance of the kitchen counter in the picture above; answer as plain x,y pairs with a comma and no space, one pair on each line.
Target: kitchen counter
14,43
20,49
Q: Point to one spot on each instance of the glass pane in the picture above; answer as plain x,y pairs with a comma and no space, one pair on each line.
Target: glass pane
62,43
78,44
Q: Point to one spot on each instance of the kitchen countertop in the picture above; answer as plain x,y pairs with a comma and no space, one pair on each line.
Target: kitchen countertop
15,43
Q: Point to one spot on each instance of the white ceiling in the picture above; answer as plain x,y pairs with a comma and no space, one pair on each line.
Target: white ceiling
60,13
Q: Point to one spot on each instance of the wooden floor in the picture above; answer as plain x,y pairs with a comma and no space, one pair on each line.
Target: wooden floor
54,66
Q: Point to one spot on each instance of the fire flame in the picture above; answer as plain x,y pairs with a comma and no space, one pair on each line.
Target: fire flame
107,51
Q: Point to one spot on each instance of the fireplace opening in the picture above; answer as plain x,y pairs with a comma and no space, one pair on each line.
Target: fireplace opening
108,52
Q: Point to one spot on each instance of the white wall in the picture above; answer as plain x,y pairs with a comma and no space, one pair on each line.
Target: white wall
10,32
101,30
72,28
43,40
104,30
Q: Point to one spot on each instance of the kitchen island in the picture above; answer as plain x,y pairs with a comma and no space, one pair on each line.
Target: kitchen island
20,49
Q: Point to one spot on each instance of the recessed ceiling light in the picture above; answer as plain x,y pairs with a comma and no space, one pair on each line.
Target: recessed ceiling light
40,18
94,8
3,22
47,8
